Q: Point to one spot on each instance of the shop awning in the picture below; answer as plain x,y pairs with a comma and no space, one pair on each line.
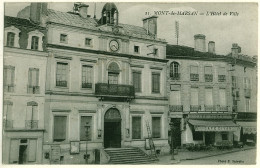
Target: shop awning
214,125
248,127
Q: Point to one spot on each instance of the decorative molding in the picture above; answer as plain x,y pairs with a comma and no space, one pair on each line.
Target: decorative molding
156,112
88,60
61,110
137,112
62,57
136,66
156,68
87,111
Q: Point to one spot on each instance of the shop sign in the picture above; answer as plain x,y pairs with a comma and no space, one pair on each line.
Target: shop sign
210,116
216,128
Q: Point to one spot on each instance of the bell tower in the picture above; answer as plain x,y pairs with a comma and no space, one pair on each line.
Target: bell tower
109,14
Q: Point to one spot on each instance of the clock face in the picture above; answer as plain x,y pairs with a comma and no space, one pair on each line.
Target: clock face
114,45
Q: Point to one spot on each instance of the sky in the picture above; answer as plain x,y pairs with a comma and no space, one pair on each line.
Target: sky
223,30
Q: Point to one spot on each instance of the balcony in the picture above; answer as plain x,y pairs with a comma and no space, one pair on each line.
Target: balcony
114,90
176,108
175,76
195,108
208,77
221,78
194,77
33,89
7,124
247,93
31,124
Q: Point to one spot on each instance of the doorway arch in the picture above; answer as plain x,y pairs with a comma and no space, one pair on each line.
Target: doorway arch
112,128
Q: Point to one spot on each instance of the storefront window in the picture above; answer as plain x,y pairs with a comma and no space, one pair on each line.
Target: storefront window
225,136
197,136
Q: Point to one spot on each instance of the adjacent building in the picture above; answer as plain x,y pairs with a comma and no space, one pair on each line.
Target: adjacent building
24,91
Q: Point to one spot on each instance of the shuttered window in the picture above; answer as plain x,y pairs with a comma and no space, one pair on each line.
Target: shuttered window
33,77
9,78
155,82
175,97
60,127
85,120
194,96
222,97
156,127
136,127
14,151
208,97
137,81
32,150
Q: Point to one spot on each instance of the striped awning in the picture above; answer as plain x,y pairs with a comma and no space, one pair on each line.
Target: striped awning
214,125
248,127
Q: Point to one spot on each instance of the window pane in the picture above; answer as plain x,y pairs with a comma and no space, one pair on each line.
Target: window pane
59,134
137,81
61,74
156,83
136,127
85,120
34,43
10,39
156,127
87,76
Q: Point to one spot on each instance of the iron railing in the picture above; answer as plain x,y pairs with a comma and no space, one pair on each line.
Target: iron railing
114,90
194,77
31,124
176,108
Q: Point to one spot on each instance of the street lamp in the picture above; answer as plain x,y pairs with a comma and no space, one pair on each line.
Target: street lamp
172,145
87,126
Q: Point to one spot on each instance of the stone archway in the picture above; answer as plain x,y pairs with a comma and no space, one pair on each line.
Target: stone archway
112,128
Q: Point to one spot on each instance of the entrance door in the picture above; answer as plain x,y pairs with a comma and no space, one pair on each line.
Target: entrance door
22,154
112,129
209,138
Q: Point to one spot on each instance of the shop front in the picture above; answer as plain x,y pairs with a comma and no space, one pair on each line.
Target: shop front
248,132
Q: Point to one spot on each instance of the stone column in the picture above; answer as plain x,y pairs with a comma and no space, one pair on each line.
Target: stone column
99,120
127,120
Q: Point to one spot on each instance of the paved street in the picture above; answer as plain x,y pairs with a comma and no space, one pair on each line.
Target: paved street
241,157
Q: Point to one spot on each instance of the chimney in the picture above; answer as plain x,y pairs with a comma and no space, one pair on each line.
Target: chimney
235,50
37,11
150,24
211,47
200,44
83,10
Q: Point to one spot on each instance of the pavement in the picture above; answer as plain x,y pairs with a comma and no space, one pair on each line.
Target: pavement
184,154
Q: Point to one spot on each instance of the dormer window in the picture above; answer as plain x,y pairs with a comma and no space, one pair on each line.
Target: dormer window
155,52
35,43
88,42
12,37
35,40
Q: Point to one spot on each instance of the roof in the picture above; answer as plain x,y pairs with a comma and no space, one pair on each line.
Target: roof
75,20
20,21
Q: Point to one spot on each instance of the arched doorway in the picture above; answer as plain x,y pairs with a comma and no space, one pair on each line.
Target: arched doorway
112,128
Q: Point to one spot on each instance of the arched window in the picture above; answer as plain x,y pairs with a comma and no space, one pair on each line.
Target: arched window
31,115
35,40
12,37
175,70
113,73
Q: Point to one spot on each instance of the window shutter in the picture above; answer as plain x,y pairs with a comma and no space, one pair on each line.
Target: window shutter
37,77
29,113
136,128
59,128
194,96
175,97
34,112
208,97
30,77
32,150
222,97
14,151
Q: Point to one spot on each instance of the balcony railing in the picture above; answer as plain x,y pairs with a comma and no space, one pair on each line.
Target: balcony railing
210,108
247,93
9,88
7,124
195,108
208,77
31,124
223,108
221,78
87,85
175,76
176,108
114,90
194,77
61,83
33,89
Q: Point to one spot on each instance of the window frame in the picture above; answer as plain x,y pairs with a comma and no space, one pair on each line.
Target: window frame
141,127
35,43
61,114
13,78
224,136
90,43
160,132
92,76
67,73
40,42
12,40
138,48
140,80
159,82
65,36
34,87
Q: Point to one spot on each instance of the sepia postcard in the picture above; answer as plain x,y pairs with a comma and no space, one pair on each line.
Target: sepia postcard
129,83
